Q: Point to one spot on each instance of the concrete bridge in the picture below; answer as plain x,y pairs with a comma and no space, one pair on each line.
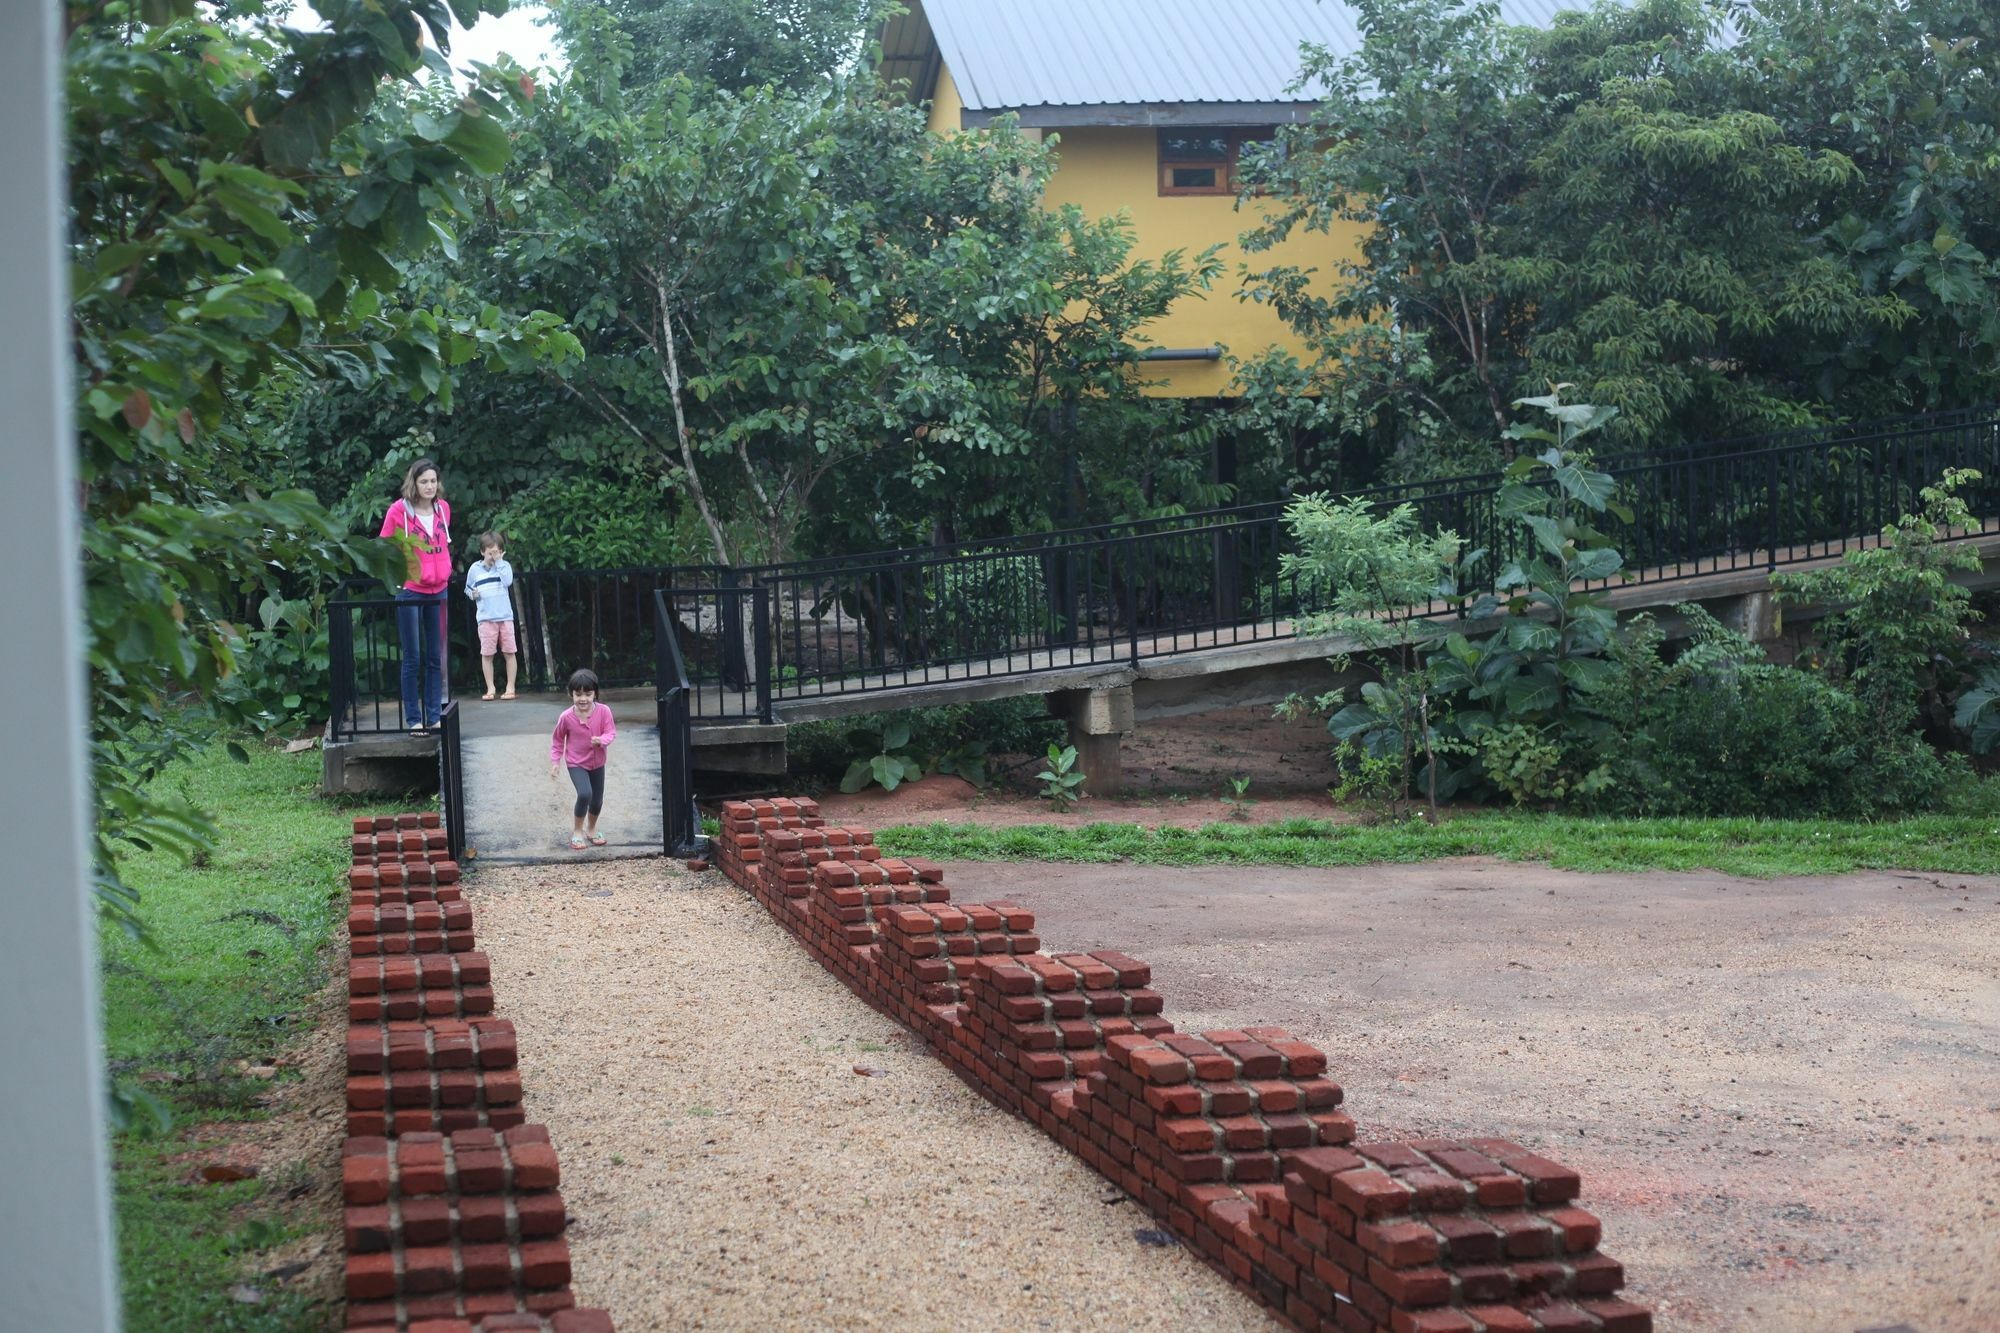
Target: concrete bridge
1241,665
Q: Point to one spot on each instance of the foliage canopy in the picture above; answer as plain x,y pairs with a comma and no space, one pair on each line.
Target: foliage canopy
239,211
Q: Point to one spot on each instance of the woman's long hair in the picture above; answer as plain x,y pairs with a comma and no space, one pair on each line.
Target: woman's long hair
417,469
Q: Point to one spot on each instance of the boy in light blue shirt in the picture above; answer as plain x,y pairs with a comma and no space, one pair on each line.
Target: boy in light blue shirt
488,583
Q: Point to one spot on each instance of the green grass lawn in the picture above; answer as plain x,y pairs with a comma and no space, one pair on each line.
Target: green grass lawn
1954,844
237,949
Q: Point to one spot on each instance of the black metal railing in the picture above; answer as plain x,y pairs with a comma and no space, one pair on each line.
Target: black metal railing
604,619
1210,580
597,618
365,663
680,819
451,782
1777,501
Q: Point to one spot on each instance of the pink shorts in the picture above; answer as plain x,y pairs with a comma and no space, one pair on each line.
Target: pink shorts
495,634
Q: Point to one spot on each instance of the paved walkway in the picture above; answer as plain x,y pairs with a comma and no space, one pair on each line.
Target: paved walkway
516,814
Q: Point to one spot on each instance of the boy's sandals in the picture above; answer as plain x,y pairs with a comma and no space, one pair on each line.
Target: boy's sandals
596,839
576,843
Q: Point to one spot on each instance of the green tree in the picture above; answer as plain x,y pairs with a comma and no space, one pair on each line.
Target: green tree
1414,140
1672,214
1625,202
729,44
1910,94
237,219
777,287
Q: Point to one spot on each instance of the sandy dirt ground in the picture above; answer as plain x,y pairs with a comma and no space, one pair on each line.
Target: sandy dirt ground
726,1166
1784,1096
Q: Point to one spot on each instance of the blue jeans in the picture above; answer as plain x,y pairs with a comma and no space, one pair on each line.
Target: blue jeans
420,626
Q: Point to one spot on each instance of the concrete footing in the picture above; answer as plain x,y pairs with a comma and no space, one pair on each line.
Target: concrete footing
372,764
1756,615
1099,720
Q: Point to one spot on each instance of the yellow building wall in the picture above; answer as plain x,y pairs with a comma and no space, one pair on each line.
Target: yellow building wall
1105,171
946,104
1108,170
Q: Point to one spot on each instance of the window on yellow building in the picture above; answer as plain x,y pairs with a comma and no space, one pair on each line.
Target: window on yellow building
1203,161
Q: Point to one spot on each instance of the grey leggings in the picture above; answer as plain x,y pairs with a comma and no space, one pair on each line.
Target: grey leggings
589,784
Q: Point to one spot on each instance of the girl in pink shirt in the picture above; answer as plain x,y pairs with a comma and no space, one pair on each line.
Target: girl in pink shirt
582,738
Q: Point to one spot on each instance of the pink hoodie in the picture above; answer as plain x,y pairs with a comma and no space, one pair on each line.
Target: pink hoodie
571,743
433,548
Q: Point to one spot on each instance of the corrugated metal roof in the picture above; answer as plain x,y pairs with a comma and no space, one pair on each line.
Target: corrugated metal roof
1009,54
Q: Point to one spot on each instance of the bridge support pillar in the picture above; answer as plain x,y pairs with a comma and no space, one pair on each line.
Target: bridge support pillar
1098,721
1756,615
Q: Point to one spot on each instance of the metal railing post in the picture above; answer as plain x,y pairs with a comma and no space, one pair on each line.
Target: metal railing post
1771,500
340,669
1132,594
760,617
735,666
663,693
680,819
1062,594
451,782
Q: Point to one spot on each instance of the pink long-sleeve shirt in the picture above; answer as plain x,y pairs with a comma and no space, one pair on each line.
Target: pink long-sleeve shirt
433,546
571,745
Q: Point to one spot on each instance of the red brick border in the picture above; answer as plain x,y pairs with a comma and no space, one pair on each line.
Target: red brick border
453,1219
1234,1140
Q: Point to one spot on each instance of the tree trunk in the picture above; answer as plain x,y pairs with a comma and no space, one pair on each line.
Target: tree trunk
717,538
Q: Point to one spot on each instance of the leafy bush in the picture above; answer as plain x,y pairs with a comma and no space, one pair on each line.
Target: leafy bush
1370,572
1373,782
984,607
1524,762
889,765
585,523
1447,692
282,668
952,738
1765,740
1718,731
1898,643
1977,712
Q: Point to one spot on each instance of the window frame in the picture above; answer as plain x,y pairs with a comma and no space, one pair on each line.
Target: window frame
1225,167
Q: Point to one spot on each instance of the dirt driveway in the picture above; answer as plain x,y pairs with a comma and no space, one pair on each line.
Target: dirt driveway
1784,1096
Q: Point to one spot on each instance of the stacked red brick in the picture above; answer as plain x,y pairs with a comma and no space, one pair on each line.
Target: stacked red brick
739,846
453,1219
1438,1236
1235,1140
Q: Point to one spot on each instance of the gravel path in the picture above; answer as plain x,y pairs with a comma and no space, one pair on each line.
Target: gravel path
726,1167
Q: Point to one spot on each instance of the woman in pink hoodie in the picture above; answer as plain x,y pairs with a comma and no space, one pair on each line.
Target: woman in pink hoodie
421,519
582,737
